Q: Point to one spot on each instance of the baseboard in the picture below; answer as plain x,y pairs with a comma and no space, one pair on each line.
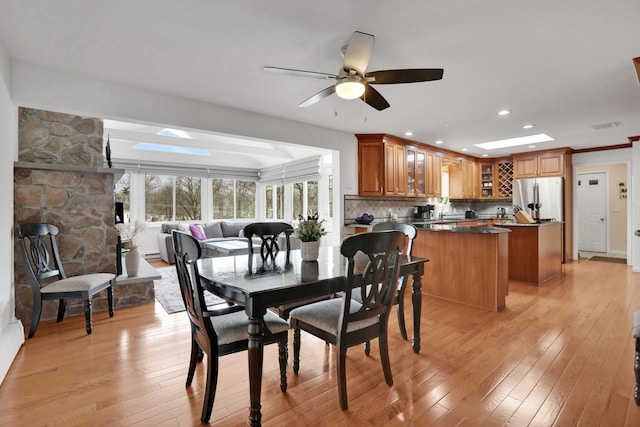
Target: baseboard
11,339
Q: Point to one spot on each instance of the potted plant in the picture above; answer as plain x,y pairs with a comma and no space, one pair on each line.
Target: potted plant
309,231
129,235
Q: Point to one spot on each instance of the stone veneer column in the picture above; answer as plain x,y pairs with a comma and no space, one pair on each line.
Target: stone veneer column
60,178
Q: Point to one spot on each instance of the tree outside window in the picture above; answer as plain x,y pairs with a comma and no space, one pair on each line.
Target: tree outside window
170,198
305,198
122,193
234,199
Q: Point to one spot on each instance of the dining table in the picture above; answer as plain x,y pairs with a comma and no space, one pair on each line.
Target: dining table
258,284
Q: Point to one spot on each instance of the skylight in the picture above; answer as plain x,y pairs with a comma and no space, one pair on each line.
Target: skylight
174,133
147,146
513,142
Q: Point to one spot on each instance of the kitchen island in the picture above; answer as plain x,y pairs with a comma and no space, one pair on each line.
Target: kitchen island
467,264
535,251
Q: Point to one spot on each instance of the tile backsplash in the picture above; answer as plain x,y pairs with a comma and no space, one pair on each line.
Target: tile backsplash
380,207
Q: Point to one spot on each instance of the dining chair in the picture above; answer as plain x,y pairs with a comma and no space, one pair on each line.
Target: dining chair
373,263
218,331
410,232
41,258
268,233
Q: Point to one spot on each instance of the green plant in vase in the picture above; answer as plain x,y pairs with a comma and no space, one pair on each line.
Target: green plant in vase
309,231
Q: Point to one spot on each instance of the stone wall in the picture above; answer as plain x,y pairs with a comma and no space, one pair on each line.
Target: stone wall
60,179
62,139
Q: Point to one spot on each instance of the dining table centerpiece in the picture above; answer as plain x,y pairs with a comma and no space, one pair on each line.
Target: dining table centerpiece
309,231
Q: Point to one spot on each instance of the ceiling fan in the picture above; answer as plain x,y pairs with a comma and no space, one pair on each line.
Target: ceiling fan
352,81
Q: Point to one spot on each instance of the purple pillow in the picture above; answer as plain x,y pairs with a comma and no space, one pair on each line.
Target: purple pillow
197,232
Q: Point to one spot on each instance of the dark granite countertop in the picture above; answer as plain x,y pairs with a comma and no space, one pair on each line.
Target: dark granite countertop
454,228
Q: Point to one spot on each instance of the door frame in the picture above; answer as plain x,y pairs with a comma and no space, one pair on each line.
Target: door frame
629,226
607,242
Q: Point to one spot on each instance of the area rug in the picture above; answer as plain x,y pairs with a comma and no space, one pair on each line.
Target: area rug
608,259
168,294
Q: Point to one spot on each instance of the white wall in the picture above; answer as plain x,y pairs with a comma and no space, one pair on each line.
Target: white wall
11,330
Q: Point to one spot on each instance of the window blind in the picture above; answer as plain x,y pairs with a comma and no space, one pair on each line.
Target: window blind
307,169
202,171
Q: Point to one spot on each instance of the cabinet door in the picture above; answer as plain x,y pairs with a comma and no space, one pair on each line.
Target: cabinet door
525,167
421,173
551,164
370,169
411,171
469,179
395,170
434,175
487,180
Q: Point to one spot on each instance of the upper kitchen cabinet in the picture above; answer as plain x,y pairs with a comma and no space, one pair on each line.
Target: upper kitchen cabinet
382,166
469,179
495,178
434,174
416,172
550,163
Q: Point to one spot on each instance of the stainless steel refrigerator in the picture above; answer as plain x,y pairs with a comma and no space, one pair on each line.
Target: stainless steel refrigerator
543,198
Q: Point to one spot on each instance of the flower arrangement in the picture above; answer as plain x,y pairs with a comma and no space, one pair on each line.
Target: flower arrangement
129,232
309,229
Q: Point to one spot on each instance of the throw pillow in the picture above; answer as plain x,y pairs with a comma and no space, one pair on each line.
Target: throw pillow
213,230
184,228
197,232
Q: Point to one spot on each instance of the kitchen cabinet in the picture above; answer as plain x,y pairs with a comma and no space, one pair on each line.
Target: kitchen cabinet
469,179
487,179
416,172
495,179
395,170
382,167
434,174
538,165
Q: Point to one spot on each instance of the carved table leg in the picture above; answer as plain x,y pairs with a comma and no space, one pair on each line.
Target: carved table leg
416,302
256,353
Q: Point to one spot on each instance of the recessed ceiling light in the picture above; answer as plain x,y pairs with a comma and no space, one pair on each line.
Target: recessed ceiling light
503,112
465,149
485,155
528,126
532,146
512,142
439,142
408,133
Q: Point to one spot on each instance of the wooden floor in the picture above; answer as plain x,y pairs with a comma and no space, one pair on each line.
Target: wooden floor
560,355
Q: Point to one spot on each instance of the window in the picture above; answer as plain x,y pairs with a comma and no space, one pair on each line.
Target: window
305,198
233,199
171,198
122,193
274,204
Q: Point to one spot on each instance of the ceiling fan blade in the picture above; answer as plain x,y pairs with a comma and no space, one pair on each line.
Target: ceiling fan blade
299,73
404,76
358,52
374,99
319,96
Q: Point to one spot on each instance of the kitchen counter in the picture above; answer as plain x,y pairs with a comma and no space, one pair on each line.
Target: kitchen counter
535,251
467,264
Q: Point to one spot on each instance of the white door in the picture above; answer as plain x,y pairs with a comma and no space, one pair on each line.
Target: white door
592,212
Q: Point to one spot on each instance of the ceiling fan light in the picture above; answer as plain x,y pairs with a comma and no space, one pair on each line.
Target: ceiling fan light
350,89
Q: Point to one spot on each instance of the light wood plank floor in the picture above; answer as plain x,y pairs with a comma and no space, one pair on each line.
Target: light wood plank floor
560,355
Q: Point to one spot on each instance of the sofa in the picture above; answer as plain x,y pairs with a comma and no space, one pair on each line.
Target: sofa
214,231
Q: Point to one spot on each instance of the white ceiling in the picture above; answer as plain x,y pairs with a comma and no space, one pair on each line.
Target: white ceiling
563,65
